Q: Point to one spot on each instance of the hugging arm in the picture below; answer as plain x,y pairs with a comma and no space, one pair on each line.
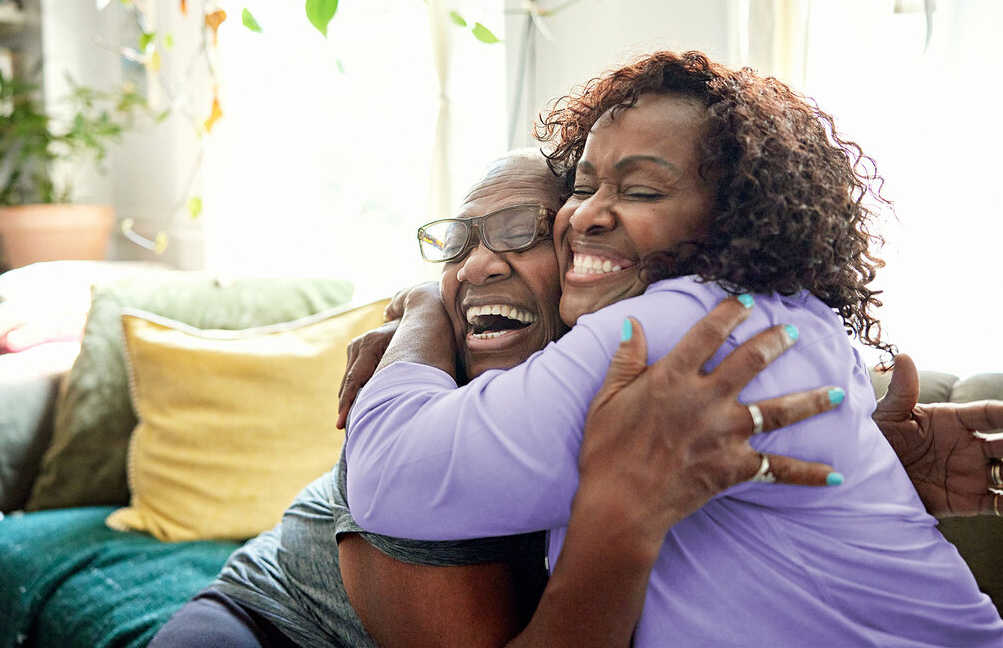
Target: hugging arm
595,594
948,462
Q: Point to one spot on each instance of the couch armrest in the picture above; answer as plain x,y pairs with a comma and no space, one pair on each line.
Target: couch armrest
29,383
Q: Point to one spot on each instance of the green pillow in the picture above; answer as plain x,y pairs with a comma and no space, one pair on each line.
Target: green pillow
85,462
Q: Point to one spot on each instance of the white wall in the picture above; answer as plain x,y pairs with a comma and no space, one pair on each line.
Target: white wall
146,175
594,35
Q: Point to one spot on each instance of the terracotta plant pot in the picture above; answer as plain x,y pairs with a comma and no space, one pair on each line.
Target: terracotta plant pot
33,233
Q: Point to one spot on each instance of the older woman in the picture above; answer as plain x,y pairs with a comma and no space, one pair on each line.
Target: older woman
680,167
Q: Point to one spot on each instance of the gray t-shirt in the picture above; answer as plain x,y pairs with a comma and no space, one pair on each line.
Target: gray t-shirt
290,574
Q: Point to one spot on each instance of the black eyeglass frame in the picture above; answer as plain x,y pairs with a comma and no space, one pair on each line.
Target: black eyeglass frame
544,229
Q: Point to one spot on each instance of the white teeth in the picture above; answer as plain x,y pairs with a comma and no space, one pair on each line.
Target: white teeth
489,335
588,264
505,310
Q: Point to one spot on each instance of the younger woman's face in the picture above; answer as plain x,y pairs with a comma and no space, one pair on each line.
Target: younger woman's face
637,190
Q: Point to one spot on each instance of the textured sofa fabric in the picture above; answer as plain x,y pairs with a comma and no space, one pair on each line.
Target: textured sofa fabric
979,539
68,580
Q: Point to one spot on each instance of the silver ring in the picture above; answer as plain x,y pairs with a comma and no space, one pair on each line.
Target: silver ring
764,475
757,417
994,475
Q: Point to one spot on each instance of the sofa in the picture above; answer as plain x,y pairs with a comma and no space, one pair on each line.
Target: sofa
115,513
138,452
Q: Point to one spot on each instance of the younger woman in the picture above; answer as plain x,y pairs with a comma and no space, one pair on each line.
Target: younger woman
689,181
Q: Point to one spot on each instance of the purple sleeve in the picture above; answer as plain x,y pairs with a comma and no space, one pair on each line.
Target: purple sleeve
428,460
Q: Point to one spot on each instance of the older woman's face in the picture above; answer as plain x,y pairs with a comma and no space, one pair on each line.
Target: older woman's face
521,287
637,190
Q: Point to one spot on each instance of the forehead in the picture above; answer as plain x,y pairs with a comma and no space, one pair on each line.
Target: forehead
657,124
512,182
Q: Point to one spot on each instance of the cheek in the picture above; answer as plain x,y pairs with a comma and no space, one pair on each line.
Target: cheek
449,287
654,232
562,221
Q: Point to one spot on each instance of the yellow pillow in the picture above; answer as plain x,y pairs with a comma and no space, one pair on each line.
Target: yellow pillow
232,424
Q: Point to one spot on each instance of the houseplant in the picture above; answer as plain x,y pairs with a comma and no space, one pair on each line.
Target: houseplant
38,222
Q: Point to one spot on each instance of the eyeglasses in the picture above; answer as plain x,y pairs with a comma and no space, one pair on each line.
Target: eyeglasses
511,229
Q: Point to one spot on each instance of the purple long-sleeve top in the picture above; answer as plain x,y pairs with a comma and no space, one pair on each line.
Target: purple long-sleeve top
760,564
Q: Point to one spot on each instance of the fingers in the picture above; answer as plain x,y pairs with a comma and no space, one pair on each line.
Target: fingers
357,375
903,390
629,361
784,410
990,504
703,340
982,416
755,354
788,470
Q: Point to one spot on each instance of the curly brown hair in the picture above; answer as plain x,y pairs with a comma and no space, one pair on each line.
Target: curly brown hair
790,210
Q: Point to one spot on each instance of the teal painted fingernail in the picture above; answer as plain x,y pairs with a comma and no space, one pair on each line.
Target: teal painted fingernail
746,300
834,479
792,331
628,330
836,396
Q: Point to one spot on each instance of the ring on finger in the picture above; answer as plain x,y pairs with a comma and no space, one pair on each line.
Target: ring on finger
995,475
764,475
757,417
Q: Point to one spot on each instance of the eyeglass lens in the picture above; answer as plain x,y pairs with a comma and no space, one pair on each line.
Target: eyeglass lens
501,231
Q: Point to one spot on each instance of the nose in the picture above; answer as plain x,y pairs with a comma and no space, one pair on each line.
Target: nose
482,266
594,215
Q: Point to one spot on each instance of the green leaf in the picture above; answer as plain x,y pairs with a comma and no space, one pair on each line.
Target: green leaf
457,18
484,34
194,207
320,13
249,21
145,40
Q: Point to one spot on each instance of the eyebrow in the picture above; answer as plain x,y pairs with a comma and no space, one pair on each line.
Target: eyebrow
587,167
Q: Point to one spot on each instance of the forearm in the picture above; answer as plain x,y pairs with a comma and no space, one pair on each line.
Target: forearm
424,336
596,593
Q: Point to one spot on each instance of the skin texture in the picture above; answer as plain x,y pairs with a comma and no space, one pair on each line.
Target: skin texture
637,190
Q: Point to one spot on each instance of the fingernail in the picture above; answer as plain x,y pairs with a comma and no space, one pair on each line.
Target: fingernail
834,479
836,396
746,300
792,331
628,330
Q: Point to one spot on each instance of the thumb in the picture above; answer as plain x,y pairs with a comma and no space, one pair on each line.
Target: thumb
903,390
629,361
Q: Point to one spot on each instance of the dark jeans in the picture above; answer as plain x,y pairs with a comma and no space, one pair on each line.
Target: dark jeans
214,619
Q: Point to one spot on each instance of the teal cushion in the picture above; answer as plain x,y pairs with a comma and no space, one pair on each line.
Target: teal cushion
68,580
84,464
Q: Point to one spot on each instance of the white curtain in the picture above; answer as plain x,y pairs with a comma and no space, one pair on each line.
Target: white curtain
440,193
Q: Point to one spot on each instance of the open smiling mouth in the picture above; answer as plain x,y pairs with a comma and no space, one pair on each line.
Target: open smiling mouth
494,320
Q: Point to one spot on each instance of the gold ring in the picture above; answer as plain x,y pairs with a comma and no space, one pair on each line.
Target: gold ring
994,475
